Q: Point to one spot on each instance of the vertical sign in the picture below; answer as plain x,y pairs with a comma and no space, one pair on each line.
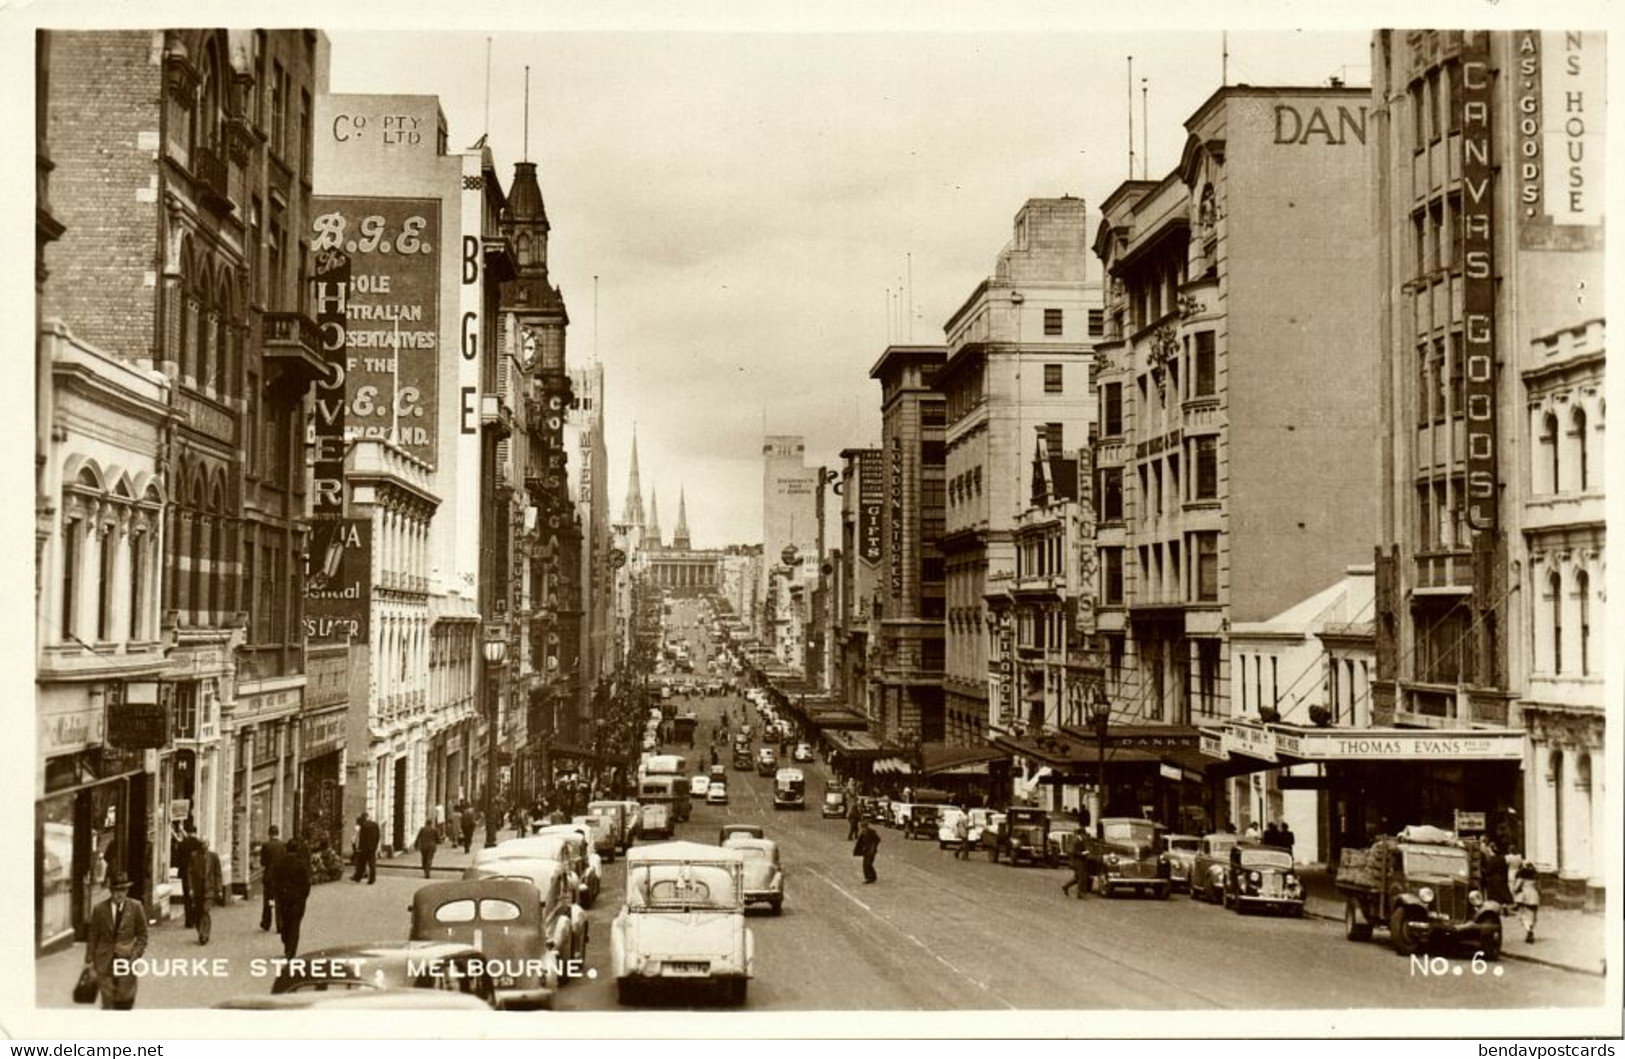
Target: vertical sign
895,560
1084,577
392,334
1478,282
1560,89
332,279
870,490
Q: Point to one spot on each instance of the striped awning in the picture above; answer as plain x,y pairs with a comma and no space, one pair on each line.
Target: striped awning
895,765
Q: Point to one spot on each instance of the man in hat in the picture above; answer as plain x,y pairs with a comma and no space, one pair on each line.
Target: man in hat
118,932
366,849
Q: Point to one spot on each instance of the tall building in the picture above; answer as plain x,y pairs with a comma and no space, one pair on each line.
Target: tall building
858,575
585,424
790,546
1019,355
905,677
1488,151
1234,463
179,166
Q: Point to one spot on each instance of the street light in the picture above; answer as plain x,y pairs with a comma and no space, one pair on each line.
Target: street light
495,649
1100,715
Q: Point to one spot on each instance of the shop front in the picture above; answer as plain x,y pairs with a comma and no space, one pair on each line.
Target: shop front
319,801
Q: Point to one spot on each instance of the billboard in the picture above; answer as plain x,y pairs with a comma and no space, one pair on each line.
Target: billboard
391,309
338,581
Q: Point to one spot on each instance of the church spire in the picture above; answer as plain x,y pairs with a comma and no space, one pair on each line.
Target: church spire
651,536
679,537
632,513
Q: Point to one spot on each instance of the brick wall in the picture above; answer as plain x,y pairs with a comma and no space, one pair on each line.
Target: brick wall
105,93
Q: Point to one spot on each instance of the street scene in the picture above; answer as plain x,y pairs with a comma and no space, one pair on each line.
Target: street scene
494,552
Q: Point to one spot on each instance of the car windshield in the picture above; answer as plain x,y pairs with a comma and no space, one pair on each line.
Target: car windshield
1182,845
1128,832
681,887
1440,860
1266,858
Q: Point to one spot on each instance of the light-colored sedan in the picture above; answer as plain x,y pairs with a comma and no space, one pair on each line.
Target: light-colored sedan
1211,866
684,921
698,786
764,876
716,794
1181,850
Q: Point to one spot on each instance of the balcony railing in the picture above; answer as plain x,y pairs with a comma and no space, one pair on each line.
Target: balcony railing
292,346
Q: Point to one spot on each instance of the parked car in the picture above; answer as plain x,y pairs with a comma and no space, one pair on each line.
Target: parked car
764,877
520,929
1023,835
603,831
619,819
921,822
415,968
1064,833
567,844
873,809
803,752
564,921
1181,850
1426,887
1211,866
834,804
684,921
947,821
980,821
746,830
698,786
717,793
1262,877
1126,854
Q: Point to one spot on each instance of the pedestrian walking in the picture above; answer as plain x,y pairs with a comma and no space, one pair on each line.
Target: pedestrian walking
1272,837
1526,894
428,841
468,824
183,859
203,872
1288,839
272,850
853,815
867,845
366,849
1497,878
962,836
1077,859
118,931
293,891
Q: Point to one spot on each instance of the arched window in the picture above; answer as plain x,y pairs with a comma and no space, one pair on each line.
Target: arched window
1581,463
1549,454
524,249
195,603
186,309
1555,585
1582,592
1555,770
224,384
217,551
206,316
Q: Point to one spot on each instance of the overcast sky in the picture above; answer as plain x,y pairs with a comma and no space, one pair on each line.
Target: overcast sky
747,199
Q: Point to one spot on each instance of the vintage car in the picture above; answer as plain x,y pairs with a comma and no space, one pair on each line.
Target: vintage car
698,786
834,804
1023,835
657,801
921,821
767,761
413,967
1262,877
520,931
803,752
746,830
1064,833
1426,886
742,761
980,821
556,885
603,832
1126,854
619,818
569,845
764,878
947,821
718,774
684,922
1181,850
789,789
717,793
1211,866
872,808
429,998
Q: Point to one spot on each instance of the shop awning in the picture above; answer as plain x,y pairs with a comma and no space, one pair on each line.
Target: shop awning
945,759
1255,746
893,765
857,746
839,717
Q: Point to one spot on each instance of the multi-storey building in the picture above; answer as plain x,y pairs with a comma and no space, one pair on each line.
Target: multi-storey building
680,569
1233,463
858,575
1019,352
590,479
1489,201
905,666
183,162
789,520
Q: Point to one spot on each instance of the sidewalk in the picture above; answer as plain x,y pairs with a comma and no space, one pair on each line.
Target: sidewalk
1564,938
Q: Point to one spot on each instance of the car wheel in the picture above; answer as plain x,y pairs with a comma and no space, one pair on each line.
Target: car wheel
735,991
1399,929
1163,892
626,991
1492,943
778,906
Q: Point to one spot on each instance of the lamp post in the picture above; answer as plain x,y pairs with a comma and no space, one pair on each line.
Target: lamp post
1100,715
495,649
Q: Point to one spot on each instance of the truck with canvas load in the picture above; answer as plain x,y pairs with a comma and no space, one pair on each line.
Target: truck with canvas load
1425,886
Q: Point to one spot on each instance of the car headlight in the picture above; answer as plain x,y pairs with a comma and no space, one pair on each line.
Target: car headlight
1111,858
1290,880
1475,898
1254,878
1426,894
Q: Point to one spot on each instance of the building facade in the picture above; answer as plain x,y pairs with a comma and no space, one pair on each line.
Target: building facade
857,576
906,662
789,519
1019,355
1490,565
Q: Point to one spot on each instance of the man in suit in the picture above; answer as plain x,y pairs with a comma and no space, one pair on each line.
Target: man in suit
366,849
867,845
118,932
208,886
271,851
183,859
467,821
292,882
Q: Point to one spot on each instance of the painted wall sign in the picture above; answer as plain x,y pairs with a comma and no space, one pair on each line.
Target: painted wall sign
1560,92
331,276
1478,277
338,581
1330,126
894,561
392,306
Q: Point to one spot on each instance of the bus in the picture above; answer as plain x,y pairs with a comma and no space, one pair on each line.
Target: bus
676,767
657,796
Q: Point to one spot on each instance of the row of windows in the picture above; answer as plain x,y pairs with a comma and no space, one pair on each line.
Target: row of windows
1562,457
1435,104
1163,560
1054,320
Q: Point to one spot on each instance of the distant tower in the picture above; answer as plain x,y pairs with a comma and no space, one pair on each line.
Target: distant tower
651,535
632,513
679,537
